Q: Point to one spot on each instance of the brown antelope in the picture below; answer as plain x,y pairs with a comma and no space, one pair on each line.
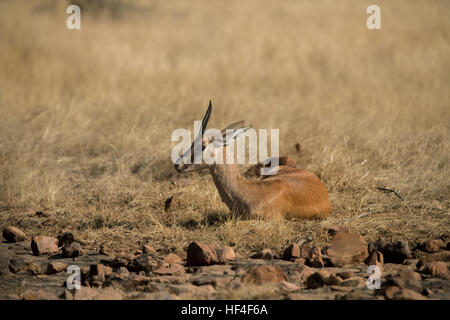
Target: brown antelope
291,192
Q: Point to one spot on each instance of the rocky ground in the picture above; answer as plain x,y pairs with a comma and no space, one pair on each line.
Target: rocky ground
38,270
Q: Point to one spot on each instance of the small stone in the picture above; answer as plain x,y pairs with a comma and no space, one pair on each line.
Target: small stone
345,274
341,288
438,269
33,268
390,292
13,234
443,255
143,262
38,295
347,248
287,286
407,294
433,246
172,258
17,264
56,267
167,269
44,244
318,279
206,254
72,250
264,274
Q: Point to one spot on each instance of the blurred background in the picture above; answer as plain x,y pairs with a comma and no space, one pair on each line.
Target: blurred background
87,115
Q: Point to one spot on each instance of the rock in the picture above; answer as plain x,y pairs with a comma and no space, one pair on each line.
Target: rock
44,244
345,274
172,258
103,250
17,264
347,248
317,279
264,274
174,269
390,292
143,262
206,254
375,259
72,250
265,254
341,288
148,249
56,267
407,294
38,295
438,269
332,231
86,293
4,264
33,268
322,278
357,282
433,245
407,279
291,252
313,256
287,286
13,234
439,256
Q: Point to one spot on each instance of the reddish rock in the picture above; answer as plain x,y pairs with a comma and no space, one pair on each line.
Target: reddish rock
396,252
347,248
439,256
345,274
168,269
438,269
172,258
13,234
390,292
264,274
287,286
320,278
44,244
172,201
56,267
206,254
407,294
433,245
407,278
38,295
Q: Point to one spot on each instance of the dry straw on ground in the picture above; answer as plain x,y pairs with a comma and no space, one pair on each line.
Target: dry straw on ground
86,116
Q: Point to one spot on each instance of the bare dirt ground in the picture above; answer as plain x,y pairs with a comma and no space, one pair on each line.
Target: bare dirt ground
87,115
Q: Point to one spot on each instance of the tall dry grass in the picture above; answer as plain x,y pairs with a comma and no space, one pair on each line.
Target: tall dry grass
87,115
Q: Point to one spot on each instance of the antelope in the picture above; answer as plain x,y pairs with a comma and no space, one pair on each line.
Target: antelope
289,193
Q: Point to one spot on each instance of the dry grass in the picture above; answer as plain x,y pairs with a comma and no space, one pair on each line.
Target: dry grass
86,116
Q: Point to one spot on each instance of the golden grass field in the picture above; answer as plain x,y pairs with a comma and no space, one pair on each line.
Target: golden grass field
87,115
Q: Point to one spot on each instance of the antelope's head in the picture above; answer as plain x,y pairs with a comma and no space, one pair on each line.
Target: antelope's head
207,143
